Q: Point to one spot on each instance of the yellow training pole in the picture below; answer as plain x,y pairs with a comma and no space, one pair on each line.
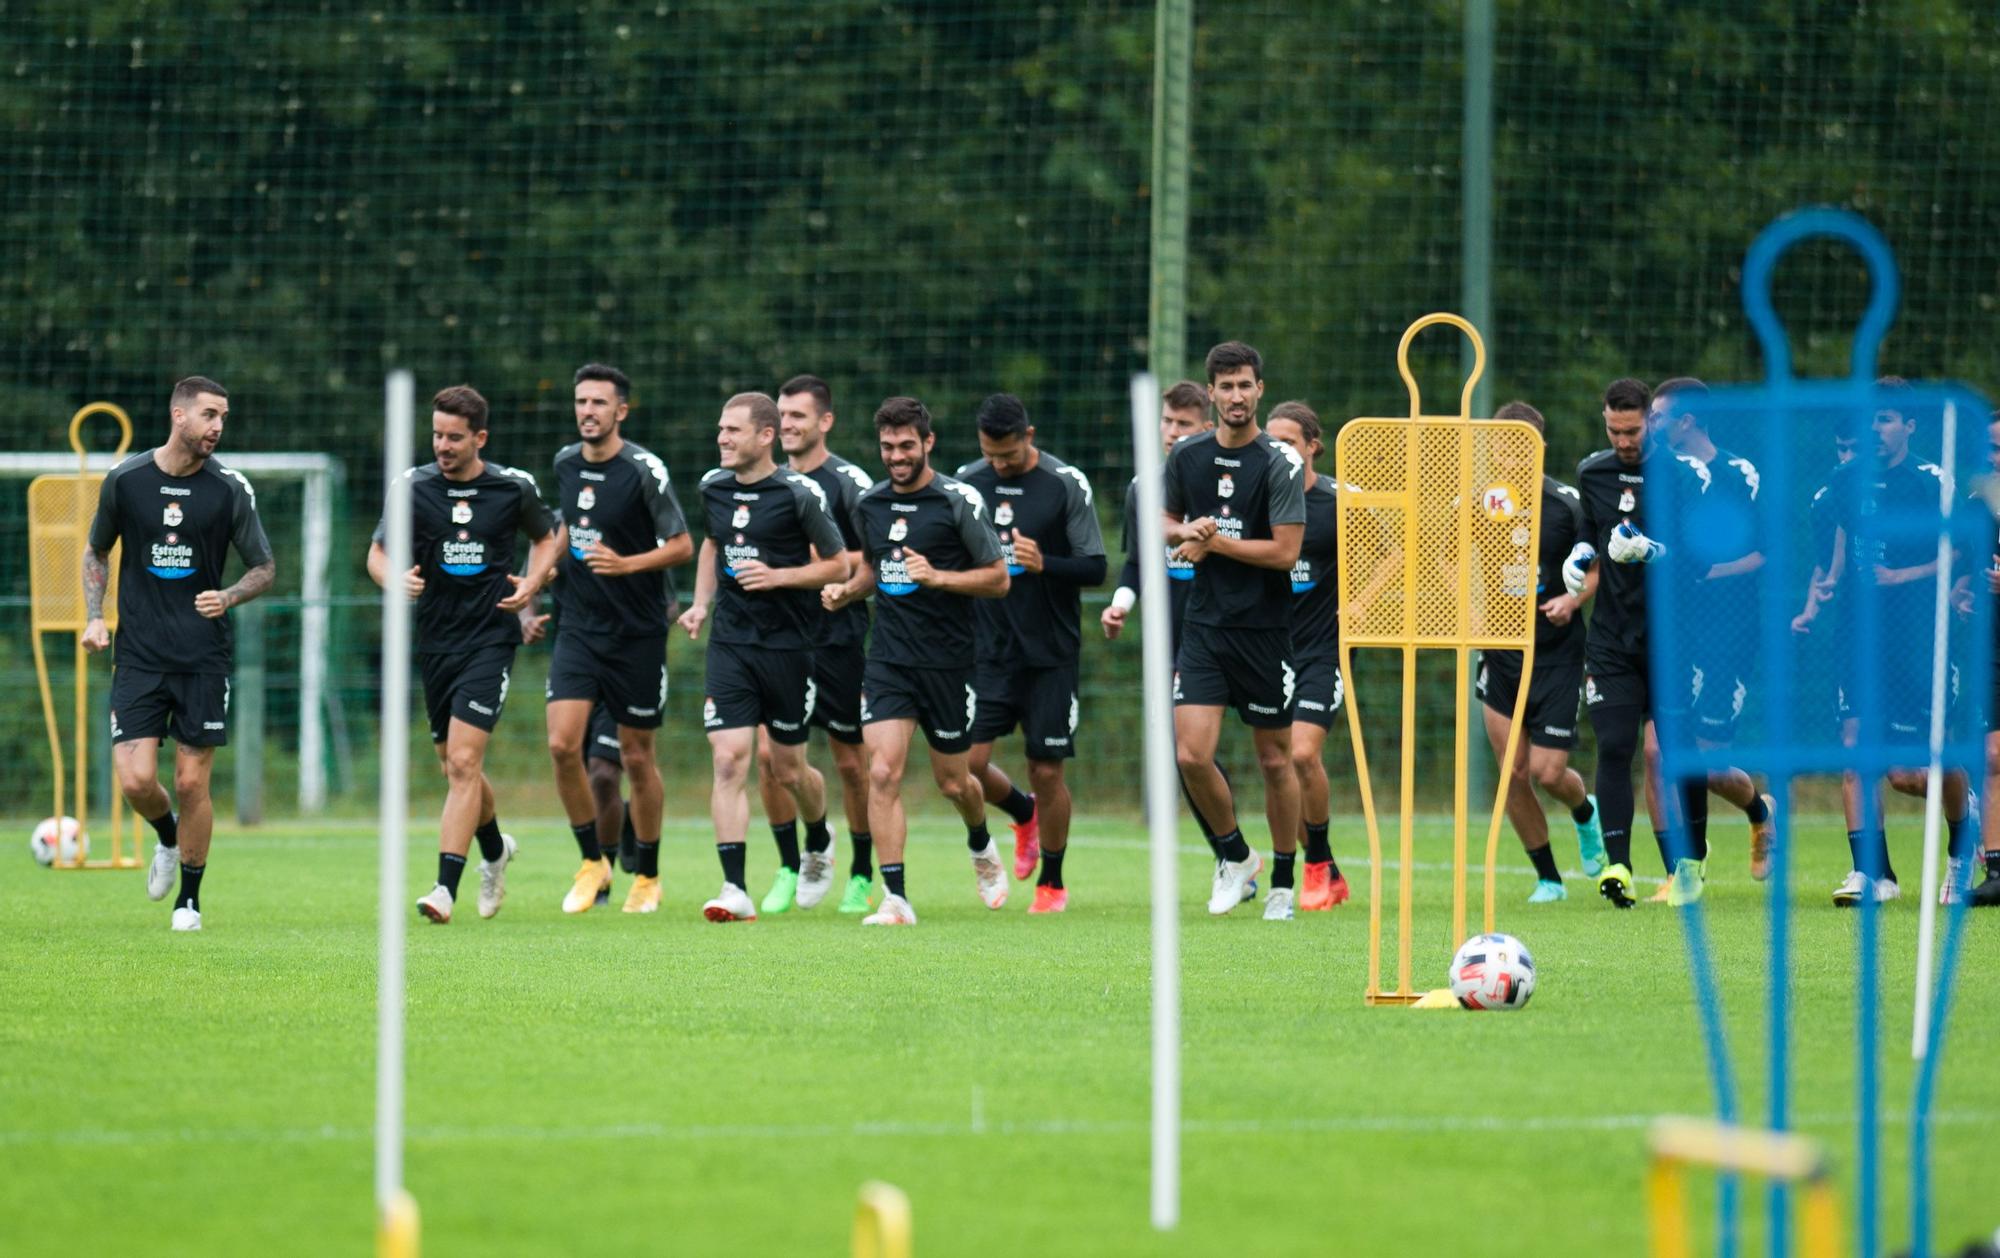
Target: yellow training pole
882,1222
1369,823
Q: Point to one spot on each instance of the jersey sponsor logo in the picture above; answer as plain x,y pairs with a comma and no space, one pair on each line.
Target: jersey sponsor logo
586,498
1302,576
898,529
736,552
172,516
464,556
1003,515
1628,501
1178,569
892,575
1499,502
171,559
461,513
582,537
741,517
1225,486
1229,525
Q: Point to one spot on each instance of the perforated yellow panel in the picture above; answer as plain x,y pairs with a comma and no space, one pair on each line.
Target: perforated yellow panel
59,513
1437,531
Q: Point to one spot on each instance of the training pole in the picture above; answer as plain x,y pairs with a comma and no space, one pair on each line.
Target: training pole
1162,803
396,1235
1920,1018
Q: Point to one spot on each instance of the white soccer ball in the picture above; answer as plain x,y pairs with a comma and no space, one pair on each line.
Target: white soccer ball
1492,972
62,841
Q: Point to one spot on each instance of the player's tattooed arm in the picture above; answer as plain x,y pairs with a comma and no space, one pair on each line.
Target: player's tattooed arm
212,603
96,578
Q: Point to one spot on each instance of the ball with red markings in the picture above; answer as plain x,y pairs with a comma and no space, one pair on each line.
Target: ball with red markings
1492,972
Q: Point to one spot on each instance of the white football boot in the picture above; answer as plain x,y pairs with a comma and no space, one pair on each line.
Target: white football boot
186,918
895,911
815,877
1230,879
1278,904
731,904
436,905
493,877
160,874
992,876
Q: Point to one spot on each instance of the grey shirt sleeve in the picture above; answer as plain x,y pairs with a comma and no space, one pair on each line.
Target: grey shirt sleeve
104,525
982,544
536,520
816,516
1086,536
1286,485
246,530
668,522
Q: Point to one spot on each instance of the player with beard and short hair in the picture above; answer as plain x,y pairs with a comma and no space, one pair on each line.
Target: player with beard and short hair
178,511
1987,893
771,546
1029,642
621,528
930,551
840,651
1235,507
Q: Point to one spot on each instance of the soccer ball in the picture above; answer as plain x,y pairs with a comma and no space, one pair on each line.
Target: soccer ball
1492,972
62,841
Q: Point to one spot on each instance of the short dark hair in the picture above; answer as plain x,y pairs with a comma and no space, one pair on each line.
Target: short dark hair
192,387
1525,413
1002,415
1231,355
903,412
1188,395
763,411
611,375
1627,394
1300,414
821,394
463,401
1681,392
1891,382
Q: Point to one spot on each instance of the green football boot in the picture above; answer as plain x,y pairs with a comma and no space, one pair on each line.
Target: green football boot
1615,885
1590,842
784,890
1685,886
855,898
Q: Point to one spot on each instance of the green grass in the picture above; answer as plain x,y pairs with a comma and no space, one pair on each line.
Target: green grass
620,1084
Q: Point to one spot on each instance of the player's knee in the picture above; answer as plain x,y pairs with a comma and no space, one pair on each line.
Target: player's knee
190,781
463,764
884,778
134,782
767,764
1189,760
1306,764
1276,762
603,778
1908,781
1045,776
784,772
565,748
959,788
1548,774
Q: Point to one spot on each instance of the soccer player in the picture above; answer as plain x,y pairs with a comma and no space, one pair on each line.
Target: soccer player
1987,893
621,529
464,513
1903,571
1235,506
1554,689
1029,642
178,511
930,550
771,546
1315,638
805,417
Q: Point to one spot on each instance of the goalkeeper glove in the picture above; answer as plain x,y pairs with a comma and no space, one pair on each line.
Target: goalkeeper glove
1629,545
1577,567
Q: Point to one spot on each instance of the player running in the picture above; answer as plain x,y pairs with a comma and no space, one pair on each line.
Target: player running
1028,643
1987,893
178,511
464,513
1315,638
805,417
621,528
1235,507
930,550
770,546
1554,690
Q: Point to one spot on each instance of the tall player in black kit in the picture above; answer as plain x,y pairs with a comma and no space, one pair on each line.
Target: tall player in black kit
930,550
771,547
840,652
1030,641
1235,507
621,528
464,513
178,512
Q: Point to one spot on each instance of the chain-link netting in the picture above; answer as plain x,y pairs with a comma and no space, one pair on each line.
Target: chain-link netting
936,199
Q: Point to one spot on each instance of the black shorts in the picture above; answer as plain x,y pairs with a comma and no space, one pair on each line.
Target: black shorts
1717,690
837,705
1552,695
600,739
470,687
750,686
1246,669
1042,701
192,708
1320,692
940,700
626,674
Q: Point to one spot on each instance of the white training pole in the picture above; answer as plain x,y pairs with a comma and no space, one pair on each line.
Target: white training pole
394,803
1162,803
1920,1021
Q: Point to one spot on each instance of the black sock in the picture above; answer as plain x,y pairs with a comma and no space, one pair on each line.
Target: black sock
1019,806
168,827
1282,865
787,835
490,846
190,897
1959,843
1993,864
646,859
450,866
818,837
892,878
1231,846
1758,812
977,838
732,862
1545,863
1582,813
586,841
628,842
1051,875
1870,849
862,861
1318,850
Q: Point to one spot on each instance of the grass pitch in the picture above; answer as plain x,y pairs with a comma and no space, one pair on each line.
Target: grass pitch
663,1085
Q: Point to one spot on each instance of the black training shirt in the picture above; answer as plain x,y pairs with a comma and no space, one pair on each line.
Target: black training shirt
1248,489
843,484
1315,591
777,521
1180,573
946,523
462,539
1036,625
627,503
1611,491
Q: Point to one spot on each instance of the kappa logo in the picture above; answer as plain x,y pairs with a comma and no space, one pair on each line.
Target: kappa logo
741,519
172,515
1225,486
461,513
1003,515
899,529
708,716
1499,501
586,498
1628,501
1590,694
